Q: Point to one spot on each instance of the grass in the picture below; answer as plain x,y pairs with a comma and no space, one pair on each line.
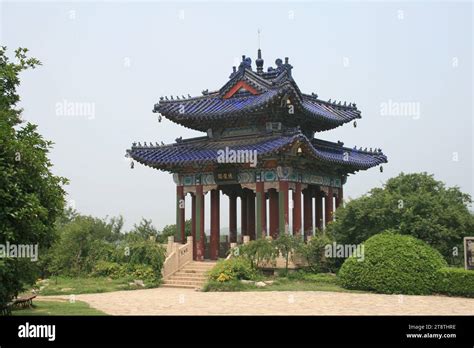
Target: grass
86,285
46,308
298,281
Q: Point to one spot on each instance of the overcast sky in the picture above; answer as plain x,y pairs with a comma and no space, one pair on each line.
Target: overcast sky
408,66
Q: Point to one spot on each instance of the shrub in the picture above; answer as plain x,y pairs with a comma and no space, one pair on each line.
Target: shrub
107,269
393,263
456,282
232,285
258,251
232,269
314,252
144,252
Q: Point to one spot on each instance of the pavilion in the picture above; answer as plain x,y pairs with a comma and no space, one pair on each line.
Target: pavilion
259,145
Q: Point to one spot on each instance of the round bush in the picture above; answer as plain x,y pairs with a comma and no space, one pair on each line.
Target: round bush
393,264
232,269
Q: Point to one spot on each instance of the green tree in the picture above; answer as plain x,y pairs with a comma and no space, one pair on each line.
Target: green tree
170,230
31,197
258,251
412,204
81,244
143,231
288,246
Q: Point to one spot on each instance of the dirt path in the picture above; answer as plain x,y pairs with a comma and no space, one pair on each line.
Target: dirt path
168,301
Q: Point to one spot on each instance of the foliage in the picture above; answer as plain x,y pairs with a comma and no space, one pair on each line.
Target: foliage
171,230
456,282
104,268
81,244
143,231
232,269
91,246
31,197
410,204
393,263
141,253
258,251
288,246
314,253
231,285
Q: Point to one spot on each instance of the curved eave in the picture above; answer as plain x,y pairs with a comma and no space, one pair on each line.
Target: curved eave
204,152
203,112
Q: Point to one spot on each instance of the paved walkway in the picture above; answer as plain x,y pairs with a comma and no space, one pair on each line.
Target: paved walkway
169,301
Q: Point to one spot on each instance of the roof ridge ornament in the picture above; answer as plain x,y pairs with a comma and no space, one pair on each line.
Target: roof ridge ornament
259,62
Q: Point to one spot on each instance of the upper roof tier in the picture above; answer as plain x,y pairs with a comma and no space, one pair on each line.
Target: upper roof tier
255,97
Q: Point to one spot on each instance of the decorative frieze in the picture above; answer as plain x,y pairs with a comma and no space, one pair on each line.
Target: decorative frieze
250,176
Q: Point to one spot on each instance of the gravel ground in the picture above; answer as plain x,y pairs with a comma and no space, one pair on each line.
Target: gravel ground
169,301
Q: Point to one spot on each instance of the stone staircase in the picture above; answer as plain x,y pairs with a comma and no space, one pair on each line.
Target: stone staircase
192,275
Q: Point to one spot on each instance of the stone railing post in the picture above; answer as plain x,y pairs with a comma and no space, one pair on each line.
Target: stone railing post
169,246
246,240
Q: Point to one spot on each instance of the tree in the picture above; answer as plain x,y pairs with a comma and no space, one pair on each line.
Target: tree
288,246
81,243
170,230
143,231
412,204
31,197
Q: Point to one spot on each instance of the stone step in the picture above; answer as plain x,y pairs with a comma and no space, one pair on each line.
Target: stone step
183,278
182,282
179,286
197,265
193,270
189,275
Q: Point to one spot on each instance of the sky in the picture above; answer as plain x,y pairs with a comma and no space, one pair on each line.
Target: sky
407,66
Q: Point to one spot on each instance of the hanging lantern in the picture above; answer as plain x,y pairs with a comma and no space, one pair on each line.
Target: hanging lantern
381,169
132,164
355,124
299,152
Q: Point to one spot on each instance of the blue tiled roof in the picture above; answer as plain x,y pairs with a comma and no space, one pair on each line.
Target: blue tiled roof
217,108
202,151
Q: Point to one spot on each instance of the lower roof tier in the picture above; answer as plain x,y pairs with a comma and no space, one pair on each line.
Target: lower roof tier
205,151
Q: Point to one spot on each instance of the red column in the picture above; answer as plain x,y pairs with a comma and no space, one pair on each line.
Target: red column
329,206
319,210
193,223
233,218
273,196
297,209
283,205
215,225
180,223
261,229
243,214
251,215
308,212
200,245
